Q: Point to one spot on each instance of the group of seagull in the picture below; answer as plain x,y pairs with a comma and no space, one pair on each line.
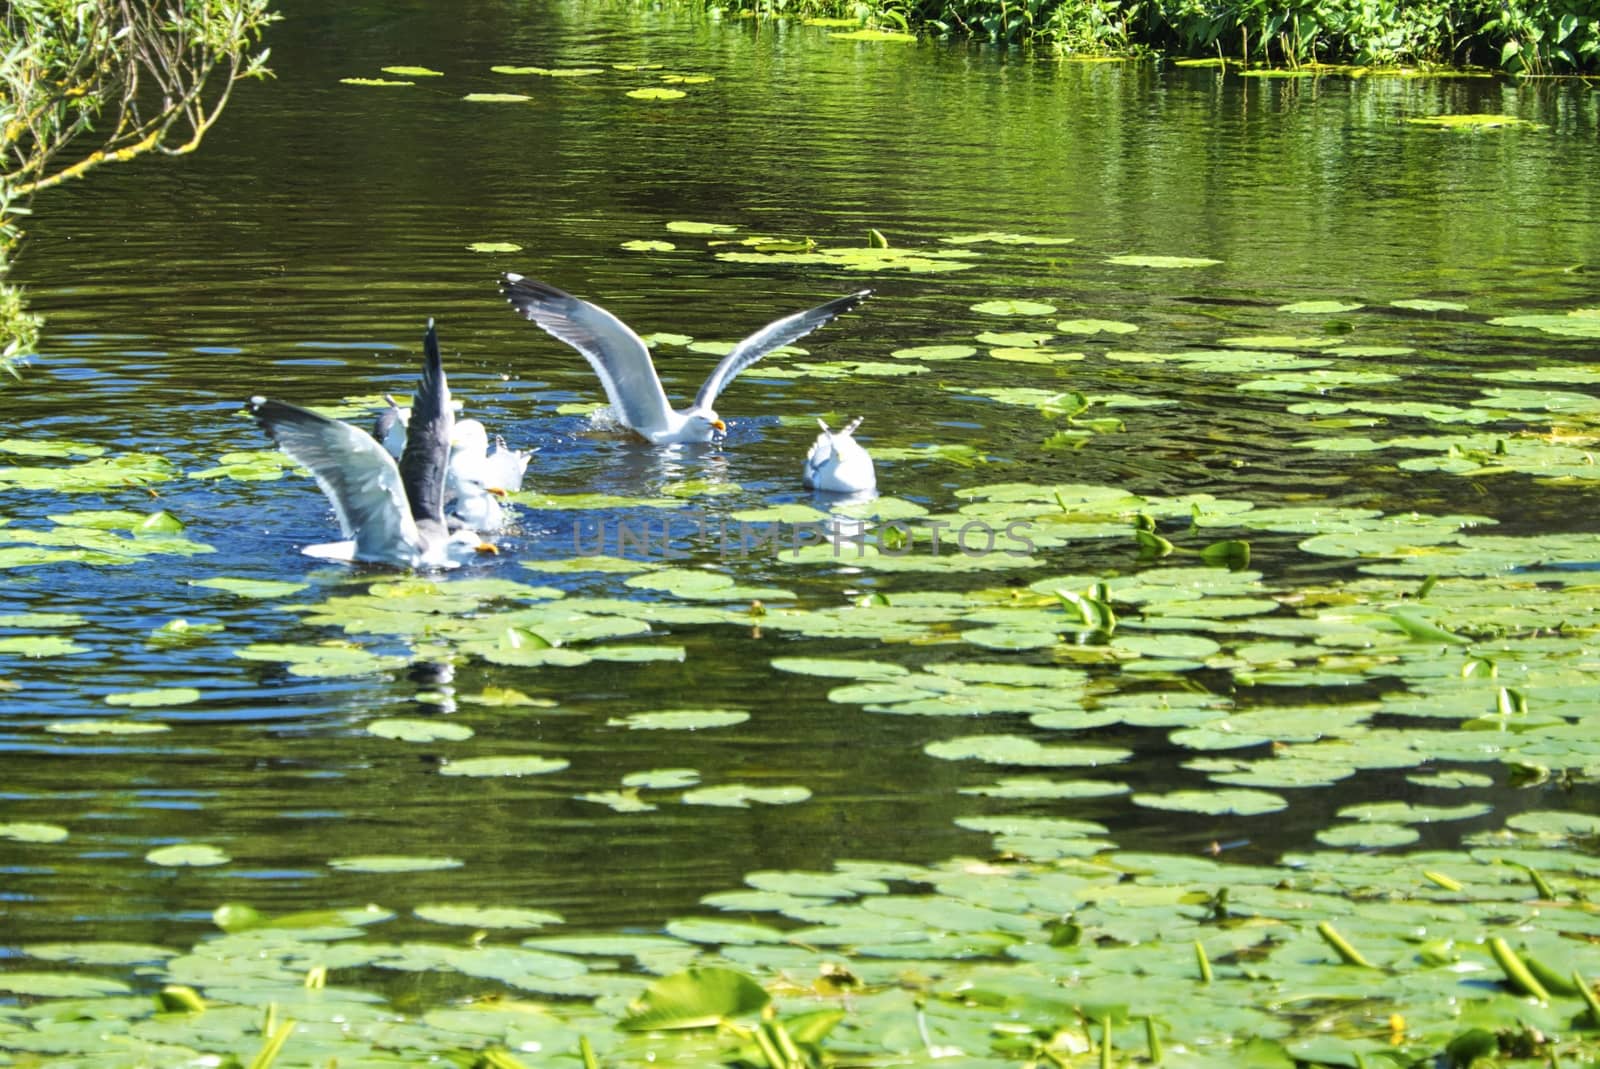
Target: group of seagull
423,488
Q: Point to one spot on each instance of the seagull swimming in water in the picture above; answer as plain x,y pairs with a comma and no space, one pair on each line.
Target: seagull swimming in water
837,463
389,513
622,360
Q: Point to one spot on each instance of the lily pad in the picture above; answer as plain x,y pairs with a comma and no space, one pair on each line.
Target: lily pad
1136,260
157,698
1014,307
488,916
740,795
681,719
187,855
414,72
419,730
494,246
26,832
393,863
656,93
522,765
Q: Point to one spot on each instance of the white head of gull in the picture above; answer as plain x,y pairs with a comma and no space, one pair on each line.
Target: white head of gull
837,463
391,514
622,360
478,476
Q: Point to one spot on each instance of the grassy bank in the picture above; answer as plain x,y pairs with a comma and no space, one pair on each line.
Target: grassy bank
1518,36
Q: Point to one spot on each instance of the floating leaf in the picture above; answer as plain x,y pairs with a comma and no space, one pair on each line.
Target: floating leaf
695,998
1013,307
874,35
1216,803
681,719
999,237
739,795
656,93
393,863
1318,307
494,246
1133,260
681,226
419,730
488,916
414,72
525,765
106,727
252,588
935,352
155,699
187,855
649,246
497,98
374,81
1095,326
1019,750
1477,121
25,832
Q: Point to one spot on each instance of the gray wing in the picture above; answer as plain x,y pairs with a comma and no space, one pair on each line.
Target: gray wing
770,337
353,470
618,355
426,457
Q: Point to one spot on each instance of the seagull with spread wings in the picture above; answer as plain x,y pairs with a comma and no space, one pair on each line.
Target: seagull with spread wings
622,361
389,513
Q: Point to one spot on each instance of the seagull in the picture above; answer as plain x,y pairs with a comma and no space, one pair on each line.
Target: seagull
837,464
389,513
475,477
621,359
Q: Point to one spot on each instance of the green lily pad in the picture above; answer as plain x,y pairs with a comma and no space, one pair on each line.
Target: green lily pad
886,36
1240,802
648,246
497,98
252,588
414,72
1014,307
1135,260
522,765
158,698
1095,326
1019,750
26,832
1312,308
680,719
488,916
106,727
1476,121
1367,836
656,93
374,81
935,352
393,863
1000,237
696,998
419,730
494,246
187,855
740,795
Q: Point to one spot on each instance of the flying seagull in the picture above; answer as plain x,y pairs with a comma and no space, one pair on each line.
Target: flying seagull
837,464
622,361
389,513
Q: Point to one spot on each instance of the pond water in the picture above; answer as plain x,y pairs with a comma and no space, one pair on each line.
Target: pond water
300,253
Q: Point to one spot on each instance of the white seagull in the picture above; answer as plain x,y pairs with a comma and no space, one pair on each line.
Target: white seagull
389,514
837,463
622,360
476,475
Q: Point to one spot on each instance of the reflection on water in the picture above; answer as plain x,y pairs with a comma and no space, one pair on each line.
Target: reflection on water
300,253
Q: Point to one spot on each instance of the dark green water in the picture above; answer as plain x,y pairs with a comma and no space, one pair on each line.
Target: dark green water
299,253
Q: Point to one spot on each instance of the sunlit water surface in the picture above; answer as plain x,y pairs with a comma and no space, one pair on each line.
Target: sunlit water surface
300,252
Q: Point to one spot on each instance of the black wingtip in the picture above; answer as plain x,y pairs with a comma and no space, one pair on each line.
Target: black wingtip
430,343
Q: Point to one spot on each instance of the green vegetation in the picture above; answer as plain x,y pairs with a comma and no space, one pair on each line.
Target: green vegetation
1519,36
133,77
